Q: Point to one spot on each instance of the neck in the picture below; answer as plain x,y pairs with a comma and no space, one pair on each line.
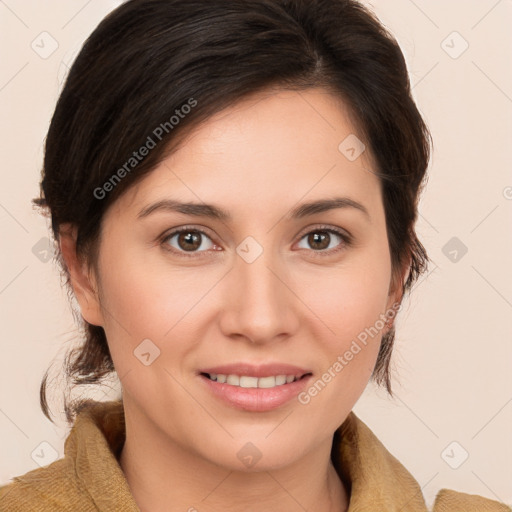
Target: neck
163,476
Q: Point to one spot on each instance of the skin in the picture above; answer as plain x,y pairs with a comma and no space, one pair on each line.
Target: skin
258,159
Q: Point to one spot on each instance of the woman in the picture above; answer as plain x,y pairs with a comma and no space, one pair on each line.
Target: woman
233,188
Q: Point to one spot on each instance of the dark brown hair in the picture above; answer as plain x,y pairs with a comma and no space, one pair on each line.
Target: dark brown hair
149,58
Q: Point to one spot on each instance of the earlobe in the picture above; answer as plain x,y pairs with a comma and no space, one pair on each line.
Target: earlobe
84,286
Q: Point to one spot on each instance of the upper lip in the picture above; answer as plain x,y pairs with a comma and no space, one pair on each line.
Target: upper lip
261,370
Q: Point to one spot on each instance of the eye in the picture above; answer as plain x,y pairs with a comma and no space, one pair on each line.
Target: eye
187,240
326,240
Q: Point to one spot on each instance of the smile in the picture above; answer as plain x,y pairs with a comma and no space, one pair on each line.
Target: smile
248,381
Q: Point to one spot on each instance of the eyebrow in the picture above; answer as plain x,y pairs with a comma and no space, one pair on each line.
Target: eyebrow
215,212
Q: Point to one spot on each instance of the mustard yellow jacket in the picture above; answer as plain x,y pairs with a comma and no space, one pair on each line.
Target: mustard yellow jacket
89,477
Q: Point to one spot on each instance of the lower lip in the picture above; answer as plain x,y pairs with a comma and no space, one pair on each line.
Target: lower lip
256,399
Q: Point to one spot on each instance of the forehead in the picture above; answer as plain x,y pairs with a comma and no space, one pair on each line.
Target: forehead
271,150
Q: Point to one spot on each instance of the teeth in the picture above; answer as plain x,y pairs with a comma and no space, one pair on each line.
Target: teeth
234,380
267,382
247,381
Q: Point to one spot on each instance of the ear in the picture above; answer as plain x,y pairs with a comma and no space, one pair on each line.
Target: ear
84,285
396,290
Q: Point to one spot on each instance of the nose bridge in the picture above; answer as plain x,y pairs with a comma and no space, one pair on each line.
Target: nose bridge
259,306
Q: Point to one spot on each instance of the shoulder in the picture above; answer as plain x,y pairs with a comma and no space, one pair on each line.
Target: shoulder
379,481
88,478
48,489
448,500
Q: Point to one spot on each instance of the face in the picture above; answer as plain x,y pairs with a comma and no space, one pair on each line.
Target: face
263,288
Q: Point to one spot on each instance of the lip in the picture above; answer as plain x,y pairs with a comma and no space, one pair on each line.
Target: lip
256,399
262,370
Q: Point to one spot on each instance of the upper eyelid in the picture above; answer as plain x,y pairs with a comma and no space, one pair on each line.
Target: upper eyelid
203,230
337,230
176,231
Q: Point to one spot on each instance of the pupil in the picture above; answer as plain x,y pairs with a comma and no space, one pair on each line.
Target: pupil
189,238
316,240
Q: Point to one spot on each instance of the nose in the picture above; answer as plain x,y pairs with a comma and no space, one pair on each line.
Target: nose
259,305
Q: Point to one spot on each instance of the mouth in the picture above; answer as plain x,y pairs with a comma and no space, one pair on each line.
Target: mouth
251,381
255,388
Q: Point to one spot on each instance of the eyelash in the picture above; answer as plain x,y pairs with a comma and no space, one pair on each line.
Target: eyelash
347,240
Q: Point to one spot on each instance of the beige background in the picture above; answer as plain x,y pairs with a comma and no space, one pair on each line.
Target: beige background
453,357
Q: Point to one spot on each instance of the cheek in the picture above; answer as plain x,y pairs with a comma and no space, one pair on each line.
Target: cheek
351,298
144,299
351,302
148,298
351,308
